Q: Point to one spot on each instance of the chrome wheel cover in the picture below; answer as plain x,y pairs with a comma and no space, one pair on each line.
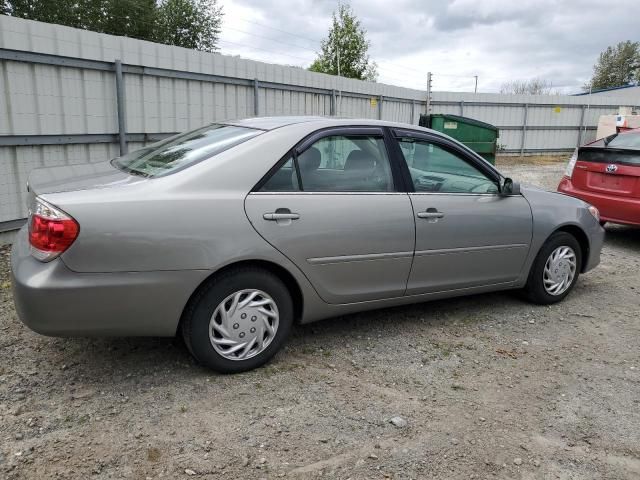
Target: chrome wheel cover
560,270
244,324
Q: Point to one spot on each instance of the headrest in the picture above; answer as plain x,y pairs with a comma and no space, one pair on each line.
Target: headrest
359,160
309,160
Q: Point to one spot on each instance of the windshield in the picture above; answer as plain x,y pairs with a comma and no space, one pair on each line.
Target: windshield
183,150
625,140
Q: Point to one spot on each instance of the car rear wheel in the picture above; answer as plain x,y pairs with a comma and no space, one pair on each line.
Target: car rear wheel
555,270
239,320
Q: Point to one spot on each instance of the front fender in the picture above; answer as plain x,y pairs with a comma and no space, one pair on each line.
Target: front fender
553,211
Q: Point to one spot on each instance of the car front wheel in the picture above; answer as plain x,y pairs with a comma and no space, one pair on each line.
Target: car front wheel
555,270
239,320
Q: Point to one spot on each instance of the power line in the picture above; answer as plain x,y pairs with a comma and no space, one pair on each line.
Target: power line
279,30
263,49
269,38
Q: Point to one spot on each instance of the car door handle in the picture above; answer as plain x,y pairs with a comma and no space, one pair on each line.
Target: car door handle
430,214
275,216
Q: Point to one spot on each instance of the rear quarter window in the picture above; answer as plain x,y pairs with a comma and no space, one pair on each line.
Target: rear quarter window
183,150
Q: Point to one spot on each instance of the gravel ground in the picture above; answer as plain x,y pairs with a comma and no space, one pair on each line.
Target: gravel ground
484,387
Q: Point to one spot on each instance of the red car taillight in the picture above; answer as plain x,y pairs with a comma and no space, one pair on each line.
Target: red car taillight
51,231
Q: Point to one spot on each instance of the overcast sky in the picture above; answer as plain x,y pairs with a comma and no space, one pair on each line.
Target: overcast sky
498,40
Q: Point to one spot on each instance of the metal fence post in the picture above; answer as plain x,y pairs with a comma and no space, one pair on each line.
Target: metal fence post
428,106
256,98
581,129
380,107
462,108
120,99
332,110
524,128
413,112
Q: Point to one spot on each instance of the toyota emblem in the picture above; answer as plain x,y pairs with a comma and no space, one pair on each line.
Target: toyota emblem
612,168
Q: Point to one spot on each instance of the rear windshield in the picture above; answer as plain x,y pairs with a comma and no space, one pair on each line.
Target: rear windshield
183,150
626,140
609,155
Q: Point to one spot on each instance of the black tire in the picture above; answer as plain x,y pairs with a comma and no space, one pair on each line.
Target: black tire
197,315
534,290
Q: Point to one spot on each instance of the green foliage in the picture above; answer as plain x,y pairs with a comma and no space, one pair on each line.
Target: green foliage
130,18
186,23
190,23
616,66
347,40
64,12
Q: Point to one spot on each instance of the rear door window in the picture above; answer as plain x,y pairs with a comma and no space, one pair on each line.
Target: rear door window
337,163
183,150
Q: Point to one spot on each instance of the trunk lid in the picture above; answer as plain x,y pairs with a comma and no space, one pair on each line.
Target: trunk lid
606,170
85,176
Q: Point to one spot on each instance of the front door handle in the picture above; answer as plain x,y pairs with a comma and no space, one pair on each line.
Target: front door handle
275,216
282,216
431,214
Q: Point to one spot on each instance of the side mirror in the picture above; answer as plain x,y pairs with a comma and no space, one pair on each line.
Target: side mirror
509,187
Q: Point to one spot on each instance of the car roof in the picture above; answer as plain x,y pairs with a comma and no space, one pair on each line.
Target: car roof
271,123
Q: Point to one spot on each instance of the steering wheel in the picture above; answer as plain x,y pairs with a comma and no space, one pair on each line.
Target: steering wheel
482,188
429,184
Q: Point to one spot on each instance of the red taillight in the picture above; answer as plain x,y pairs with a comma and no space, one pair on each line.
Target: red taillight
51,231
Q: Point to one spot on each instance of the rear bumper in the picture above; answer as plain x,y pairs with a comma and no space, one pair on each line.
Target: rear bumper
53,300
612,208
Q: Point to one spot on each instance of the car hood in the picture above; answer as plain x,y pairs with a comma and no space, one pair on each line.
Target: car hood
82,176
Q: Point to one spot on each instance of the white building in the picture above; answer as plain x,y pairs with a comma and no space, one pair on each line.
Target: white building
629,95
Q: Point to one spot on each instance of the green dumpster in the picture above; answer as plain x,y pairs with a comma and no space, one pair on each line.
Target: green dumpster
480,137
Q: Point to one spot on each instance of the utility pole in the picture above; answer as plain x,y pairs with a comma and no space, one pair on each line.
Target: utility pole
339,89
428,93
475,90
336,45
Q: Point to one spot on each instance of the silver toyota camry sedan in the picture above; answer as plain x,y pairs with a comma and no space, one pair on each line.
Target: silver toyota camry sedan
231,233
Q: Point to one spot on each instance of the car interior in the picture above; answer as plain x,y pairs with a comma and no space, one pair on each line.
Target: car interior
360,163
435,169
337,164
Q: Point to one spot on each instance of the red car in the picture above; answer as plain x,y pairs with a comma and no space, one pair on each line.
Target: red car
606,174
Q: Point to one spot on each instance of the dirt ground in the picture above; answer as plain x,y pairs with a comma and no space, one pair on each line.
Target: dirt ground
489,387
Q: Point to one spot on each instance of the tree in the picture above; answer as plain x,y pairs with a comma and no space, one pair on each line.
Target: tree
347,45
616,66
534,86
63,12
186,23
129,18
190,23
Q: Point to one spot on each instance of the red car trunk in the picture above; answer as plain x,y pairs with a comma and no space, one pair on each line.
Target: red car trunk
606,173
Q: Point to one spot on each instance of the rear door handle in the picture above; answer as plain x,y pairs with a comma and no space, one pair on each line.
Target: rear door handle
275,216
431,213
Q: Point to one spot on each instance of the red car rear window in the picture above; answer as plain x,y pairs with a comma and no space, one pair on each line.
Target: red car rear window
609,155
626,140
